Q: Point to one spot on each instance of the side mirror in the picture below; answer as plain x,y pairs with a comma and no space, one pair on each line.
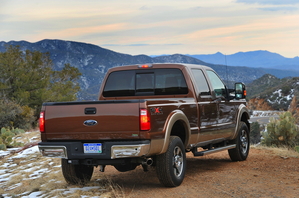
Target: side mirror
240,91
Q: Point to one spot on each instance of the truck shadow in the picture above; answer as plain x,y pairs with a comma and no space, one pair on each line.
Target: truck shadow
139,180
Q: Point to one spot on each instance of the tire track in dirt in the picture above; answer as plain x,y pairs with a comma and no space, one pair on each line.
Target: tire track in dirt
263,174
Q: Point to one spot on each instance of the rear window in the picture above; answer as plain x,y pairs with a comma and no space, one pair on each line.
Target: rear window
145,83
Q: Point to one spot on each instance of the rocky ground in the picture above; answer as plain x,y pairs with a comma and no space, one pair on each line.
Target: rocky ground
266,173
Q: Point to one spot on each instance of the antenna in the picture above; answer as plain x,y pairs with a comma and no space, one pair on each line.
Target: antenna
226,71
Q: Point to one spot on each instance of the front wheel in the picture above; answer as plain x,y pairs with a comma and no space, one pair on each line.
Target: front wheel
242,142
171,166
76,174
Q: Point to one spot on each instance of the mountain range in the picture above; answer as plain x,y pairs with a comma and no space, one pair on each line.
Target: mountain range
256,59
94,61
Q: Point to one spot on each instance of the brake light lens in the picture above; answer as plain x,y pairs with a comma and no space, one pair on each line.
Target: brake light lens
145,66
145,122
42,122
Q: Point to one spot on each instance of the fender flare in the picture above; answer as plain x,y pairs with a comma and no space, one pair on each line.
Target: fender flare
242,110
171,120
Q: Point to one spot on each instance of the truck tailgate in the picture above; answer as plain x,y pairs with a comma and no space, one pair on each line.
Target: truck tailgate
92,120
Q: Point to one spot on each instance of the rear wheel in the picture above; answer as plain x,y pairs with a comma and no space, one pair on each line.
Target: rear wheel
76,174
171,166
242,142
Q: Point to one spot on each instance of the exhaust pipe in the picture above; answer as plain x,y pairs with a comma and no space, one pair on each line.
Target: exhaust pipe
148,162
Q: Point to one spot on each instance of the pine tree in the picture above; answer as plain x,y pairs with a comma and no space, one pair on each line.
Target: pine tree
28,78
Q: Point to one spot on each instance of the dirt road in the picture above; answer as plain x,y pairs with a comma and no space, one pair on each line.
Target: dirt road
263,174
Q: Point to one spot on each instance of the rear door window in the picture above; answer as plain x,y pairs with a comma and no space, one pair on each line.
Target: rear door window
201,82
145,82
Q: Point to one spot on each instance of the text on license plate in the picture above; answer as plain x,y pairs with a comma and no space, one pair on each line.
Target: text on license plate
92,148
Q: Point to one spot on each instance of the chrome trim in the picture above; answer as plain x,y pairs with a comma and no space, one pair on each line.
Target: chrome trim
194,128
223,124
90,122
122,151
206,152
53,151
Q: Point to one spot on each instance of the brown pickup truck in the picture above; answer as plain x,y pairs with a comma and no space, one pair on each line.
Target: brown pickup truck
148,115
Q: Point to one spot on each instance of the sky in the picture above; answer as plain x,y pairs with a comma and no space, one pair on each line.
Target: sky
155,27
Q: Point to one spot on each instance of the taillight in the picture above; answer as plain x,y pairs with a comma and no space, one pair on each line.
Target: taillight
145,122
42,121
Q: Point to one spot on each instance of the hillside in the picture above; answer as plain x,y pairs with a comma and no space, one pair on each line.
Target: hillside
272,92
94,61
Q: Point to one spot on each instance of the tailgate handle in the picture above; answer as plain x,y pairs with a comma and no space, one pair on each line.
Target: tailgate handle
91,110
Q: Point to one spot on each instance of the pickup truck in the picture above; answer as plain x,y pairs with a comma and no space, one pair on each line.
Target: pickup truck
148,115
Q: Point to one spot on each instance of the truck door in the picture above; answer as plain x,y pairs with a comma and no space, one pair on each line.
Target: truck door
207,107
225,108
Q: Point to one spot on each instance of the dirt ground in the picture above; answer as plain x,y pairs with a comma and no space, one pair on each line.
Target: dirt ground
264,174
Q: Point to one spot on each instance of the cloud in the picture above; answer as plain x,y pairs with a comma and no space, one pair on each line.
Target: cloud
270,2
278,9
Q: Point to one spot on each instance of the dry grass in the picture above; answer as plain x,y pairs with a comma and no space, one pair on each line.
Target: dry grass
27,178
31,136
281,151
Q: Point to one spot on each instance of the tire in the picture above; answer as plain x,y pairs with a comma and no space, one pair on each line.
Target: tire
171,166
242,142
76,174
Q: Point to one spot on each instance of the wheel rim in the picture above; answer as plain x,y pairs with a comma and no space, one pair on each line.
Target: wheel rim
244,142
178,164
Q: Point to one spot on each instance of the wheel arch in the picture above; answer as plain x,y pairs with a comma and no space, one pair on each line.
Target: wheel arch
243,116
176,125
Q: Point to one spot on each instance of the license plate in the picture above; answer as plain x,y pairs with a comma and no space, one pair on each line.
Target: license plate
92,148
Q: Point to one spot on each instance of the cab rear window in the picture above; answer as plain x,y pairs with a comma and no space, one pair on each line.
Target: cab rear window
145,83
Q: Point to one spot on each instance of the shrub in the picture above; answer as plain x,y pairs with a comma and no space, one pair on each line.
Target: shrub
8,112
25,119
282,132
12,115
255,134
6,138
2,146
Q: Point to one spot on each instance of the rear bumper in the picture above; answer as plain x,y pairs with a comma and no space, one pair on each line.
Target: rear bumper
110,150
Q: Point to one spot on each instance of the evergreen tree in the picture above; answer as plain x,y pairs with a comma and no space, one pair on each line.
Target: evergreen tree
27,78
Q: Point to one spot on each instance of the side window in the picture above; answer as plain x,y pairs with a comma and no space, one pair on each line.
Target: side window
218,86
201,82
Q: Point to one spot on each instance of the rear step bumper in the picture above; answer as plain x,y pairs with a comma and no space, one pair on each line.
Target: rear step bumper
210,151
109,149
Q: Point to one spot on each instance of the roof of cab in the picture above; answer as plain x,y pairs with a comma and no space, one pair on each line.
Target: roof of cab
157,65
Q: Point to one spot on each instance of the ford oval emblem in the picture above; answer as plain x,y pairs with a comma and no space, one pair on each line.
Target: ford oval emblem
90,122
